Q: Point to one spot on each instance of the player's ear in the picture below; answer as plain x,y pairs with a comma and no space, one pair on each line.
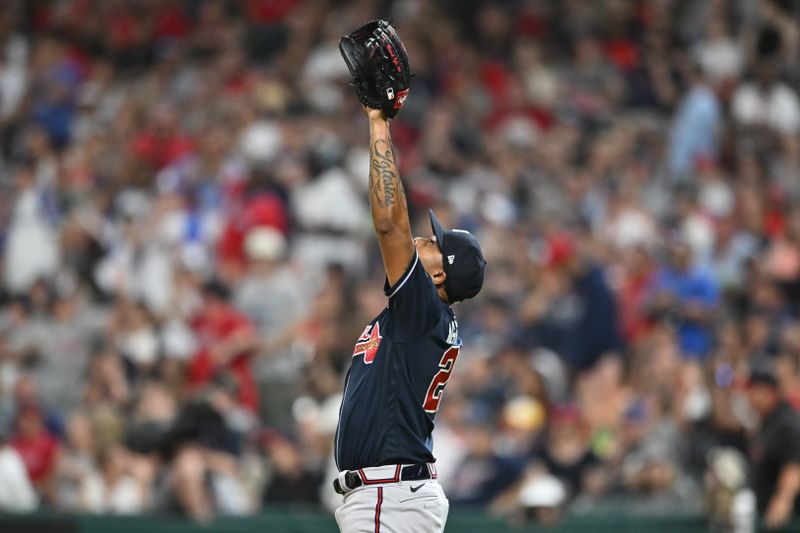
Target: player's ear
438,277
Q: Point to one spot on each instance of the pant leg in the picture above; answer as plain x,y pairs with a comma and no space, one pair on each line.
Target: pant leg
423,510
361,511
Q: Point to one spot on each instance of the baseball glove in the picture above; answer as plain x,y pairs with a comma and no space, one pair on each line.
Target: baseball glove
378,63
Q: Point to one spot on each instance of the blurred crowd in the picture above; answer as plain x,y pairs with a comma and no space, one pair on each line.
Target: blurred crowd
187,255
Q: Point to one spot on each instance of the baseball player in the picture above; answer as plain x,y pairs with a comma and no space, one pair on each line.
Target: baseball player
403,359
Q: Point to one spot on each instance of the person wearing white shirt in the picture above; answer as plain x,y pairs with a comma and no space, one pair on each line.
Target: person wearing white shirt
16,491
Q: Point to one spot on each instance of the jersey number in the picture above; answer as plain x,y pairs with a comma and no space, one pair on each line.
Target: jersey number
436,388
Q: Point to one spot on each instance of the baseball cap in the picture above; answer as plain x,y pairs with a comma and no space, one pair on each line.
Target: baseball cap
264,243
542,491
462,261
763,374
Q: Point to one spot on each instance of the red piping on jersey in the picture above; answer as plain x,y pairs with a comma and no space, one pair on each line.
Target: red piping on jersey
378,510
366,481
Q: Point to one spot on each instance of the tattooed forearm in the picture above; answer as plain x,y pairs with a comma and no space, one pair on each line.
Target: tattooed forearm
387,201
385,186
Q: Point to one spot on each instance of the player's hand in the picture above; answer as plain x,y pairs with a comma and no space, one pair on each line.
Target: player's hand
778,513
374,114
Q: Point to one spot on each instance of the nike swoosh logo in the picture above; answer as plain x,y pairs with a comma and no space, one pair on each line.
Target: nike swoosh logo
415,489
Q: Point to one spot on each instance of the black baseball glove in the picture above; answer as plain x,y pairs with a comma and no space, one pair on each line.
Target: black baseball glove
378,63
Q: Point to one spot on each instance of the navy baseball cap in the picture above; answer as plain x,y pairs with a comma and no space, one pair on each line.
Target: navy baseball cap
462,260
763,374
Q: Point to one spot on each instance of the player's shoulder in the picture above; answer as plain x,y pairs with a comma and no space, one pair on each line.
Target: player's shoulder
413,279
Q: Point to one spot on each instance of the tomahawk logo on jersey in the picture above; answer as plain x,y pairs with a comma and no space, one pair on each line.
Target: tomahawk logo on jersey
401,364
368,342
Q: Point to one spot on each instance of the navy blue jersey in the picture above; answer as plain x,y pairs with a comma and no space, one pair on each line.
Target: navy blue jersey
401,364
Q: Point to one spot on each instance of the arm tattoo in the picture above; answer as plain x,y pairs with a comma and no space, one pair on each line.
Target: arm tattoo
385,187
387,202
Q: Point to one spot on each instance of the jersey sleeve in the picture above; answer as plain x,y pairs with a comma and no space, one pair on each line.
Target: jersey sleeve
413,301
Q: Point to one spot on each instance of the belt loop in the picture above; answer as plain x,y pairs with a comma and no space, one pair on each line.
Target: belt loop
432,470
342,481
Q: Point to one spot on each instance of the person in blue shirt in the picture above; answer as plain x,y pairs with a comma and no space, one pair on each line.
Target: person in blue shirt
696,129
686,296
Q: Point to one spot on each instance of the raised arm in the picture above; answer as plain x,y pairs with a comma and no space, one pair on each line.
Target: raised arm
387,200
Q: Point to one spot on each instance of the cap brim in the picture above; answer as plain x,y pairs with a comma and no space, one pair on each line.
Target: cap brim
767,381
438,231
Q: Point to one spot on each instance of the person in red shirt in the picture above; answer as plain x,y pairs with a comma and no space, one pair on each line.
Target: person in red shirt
637,279
227,340
35,445
163,142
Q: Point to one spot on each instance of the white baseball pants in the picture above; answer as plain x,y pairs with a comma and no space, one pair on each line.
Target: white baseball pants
399,507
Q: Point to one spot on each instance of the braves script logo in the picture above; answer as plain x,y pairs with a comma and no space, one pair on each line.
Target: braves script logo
368,343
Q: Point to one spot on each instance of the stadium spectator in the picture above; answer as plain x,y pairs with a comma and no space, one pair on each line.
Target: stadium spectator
291,481
17,493
695,134
565,452
688,296
484,474
79,487
37,448
572,311
226,340
776,472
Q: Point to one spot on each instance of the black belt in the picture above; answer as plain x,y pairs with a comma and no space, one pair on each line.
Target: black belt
355,478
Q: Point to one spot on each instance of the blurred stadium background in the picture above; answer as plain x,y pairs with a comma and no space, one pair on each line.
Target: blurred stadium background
187,255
